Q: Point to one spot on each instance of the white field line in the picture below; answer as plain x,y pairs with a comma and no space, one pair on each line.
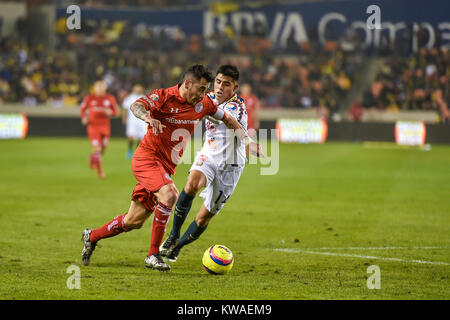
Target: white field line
362,256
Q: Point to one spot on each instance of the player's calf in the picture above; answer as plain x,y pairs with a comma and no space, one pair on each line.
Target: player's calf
136,216
134,224
111,229
192,233
182,209
160,220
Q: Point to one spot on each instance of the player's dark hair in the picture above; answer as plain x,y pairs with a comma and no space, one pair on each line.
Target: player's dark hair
198,71
229,70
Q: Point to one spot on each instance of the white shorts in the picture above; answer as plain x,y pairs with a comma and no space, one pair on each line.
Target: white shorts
136,129
221,181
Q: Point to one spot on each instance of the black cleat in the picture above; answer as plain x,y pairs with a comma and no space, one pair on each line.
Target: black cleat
166,248
173,255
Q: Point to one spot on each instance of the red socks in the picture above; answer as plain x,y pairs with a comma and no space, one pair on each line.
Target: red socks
160,219
111,229
95,162
116,226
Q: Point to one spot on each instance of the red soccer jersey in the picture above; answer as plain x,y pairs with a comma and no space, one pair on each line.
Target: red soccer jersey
96,107
180,119
251,103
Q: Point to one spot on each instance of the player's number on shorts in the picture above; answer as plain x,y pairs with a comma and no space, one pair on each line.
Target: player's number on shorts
220,195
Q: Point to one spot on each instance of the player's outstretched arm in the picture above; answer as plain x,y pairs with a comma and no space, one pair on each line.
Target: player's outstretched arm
232,123
142,113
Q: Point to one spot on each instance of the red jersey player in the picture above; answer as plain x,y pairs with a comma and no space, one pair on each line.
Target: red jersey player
96,110
252,105
172,115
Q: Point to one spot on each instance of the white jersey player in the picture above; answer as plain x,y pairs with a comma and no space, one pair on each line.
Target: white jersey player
135,128
217,167
223,157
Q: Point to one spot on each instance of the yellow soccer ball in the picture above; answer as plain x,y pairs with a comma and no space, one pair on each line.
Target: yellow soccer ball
218,259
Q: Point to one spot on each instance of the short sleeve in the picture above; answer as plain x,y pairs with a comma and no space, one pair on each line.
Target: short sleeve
154,100
211,107
232,109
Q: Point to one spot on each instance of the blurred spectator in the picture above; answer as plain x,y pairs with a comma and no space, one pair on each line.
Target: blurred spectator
356,111
252,105
419,82
121,54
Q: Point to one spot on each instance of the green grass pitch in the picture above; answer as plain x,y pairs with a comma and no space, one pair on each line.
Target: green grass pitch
309,232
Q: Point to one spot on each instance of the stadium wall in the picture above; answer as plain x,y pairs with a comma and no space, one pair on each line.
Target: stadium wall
337,131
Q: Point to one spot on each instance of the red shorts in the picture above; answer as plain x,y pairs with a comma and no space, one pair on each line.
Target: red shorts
99,135
151,176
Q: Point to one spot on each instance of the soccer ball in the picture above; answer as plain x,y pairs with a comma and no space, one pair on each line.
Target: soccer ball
218,259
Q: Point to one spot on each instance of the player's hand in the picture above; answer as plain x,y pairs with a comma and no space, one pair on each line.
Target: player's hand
255,149
84,121
156,125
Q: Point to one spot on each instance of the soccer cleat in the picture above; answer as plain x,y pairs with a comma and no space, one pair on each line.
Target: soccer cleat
130,154
173,255
156,262
101,174
88,248
168,245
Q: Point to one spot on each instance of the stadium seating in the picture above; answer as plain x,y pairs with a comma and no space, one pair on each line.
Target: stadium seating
299,75
296,77
419,82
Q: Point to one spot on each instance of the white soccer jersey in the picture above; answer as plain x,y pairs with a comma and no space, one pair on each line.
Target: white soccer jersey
222,158
221,144
135,128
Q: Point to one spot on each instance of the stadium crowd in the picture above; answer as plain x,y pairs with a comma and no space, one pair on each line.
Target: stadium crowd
419,82
297,75
123,55
33,75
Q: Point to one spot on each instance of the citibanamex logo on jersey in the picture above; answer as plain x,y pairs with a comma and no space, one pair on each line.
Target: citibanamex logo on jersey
199,107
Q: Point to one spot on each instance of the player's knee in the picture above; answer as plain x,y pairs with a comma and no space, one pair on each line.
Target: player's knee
192,188
170,198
